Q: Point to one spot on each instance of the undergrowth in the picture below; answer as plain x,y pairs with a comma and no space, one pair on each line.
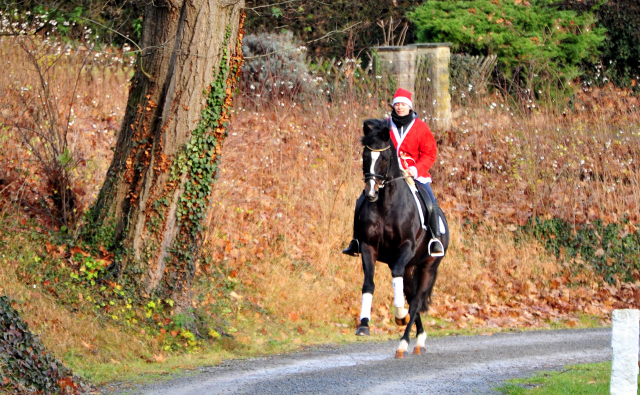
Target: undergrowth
612,250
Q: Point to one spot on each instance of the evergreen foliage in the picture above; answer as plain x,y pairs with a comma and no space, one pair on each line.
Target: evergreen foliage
621,47
540,44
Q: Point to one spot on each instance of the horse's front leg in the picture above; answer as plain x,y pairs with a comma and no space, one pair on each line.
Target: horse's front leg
405,253
369,257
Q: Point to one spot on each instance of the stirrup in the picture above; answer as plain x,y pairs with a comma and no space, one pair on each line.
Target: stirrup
436,254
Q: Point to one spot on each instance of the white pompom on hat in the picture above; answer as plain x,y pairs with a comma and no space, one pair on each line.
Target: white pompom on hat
402,96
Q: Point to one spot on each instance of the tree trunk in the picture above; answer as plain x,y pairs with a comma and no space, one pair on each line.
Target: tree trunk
156,194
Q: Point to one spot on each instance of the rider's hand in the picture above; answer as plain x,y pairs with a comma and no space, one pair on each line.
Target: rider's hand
413,171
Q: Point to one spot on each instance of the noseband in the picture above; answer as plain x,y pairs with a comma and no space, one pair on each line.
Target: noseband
379,179
382,180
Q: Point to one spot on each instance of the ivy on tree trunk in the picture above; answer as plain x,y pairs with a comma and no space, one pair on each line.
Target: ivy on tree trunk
156,193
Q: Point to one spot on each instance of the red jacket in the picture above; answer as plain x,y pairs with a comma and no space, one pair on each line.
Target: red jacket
416,148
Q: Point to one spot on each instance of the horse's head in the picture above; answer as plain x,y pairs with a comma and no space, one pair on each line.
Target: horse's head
376,156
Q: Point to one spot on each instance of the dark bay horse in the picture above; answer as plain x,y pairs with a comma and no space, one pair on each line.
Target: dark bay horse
390,230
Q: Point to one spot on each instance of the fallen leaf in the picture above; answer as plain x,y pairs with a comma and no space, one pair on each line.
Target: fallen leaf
87,345
78,250
67,382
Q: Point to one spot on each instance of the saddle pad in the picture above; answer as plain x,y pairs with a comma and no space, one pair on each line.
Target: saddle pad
414,191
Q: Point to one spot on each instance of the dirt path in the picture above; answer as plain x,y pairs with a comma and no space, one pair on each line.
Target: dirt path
452,365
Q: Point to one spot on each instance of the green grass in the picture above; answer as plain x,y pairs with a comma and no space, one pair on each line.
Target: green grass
574,379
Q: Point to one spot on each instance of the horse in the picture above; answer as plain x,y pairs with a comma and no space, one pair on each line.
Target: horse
389,229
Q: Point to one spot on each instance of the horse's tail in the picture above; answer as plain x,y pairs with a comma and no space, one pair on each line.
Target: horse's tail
427,297
417,278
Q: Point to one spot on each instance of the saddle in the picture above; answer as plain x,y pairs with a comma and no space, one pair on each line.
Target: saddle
419,199
419,195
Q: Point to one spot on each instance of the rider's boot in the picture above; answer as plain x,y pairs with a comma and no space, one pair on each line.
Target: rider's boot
435,245
353,248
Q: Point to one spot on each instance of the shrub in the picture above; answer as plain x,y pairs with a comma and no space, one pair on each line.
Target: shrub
274,67
541,45
620,52
337,28
470,77
611,250
26,366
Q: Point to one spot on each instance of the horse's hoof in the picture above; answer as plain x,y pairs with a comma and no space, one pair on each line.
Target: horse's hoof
402,321
400,354
362,331
419,351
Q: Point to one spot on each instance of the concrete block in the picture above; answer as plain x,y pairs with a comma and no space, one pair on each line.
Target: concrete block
624,344
399,64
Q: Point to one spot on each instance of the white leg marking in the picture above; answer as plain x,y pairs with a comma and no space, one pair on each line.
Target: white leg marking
403,345
401,312
398,291
372,170
365,310
422,338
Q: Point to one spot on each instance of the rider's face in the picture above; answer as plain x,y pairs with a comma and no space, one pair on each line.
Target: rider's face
402,109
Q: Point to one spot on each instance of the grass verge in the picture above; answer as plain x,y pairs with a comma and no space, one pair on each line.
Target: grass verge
574,379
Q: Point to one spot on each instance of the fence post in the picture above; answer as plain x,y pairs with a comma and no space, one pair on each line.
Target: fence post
624,344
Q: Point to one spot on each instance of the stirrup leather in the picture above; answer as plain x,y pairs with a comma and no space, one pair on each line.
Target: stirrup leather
437,254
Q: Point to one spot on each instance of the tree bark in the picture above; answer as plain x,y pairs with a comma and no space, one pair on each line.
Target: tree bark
156,193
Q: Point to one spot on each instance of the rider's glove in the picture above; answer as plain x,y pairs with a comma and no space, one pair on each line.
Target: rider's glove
413,171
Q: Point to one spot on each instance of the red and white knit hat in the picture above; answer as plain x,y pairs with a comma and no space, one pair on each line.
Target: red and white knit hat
402,96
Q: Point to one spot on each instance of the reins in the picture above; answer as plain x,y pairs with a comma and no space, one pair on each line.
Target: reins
383,179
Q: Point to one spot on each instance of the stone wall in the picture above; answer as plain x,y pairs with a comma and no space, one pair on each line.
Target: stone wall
398,64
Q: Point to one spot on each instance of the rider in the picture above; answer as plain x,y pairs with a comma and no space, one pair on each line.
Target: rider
417,152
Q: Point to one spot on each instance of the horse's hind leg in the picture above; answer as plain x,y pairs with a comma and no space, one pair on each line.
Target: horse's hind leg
414,313
427,281
421,337
368,286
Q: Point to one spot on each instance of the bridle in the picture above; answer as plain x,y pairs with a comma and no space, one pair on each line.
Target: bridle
380,180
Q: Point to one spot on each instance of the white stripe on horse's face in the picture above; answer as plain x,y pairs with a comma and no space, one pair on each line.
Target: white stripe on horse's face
371,192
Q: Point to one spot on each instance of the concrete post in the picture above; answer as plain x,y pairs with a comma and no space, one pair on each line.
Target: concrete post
399,65
624,344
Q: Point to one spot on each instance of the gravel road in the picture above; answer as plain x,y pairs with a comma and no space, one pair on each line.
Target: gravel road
452,365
